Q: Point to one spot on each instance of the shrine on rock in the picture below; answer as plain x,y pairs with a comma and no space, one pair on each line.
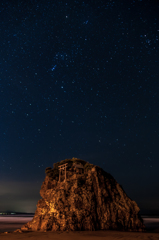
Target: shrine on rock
76,168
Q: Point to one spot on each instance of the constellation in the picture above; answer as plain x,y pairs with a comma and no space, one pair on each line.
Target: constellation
52,69
61,59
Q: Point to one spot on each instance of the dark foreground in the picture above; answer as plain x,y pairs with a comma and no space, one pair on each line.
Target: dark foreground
85,235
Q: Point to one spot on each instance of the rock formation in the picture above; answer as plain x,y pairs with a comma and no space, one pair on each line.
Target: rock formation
90,199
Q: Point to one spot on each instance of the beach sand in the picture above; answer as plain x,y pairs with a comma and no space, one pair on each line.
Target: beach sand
81,235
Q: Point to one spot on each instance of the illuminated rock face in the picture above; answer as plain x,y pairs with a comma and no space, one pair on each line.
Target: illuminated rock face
91,201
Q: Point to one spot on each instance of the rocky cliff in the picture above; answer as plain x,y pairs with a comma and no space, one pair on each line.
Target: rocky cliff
89,200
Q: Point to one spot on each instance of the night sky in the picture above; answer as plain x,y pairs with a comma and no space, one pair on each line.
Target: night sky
79,79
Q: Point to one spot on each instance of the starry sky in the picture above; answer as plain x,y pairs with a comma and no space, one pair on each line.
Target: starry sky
79,79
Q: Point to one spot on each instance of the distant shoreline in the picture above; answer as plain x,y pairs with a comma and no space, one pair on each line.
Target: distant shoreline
21,213
12,214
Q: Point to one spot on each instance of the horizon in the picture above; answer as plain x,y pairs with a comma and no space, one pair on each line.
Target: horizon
12,213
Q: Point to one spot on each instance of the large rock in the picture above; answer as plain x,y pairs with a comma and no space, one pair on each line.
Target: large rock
92,200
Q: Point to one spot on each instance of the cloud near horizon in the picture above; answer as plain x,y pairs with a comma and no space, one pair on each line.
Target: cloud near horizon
19,196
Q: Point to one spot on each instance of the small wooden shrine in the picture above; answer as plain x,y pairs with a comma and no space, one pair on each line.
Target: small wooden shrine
75,168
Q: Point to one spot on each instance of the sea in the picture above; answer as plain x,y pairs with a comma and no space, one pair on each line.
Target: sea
9,223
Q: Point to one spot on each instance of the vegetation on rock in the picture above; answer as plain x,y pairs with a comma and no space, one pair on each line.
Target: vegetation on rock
53,173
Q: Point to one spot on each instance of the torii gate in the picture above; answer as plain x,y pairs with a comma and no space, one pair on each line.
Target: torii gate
62,167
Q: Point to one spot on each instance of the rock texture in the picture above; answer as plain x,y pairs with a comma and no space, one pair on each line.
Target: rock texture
92,200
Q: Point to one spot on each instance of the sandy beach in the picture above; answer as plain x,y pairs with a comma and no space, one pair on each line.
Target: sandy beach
11,223
85,235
